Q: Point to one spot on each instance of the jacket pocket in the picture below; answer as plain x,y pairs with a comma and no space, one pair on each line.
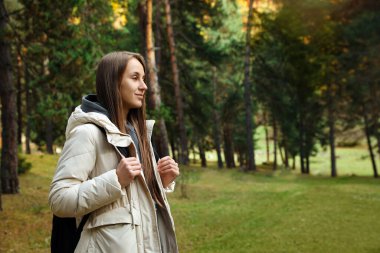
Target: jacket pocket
118,238
118,215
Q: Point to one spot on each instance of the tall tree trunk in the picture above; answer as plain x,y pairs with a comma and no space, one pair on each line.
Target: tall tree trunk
216,125
286,154
266,136
48,118
19,101
274,144
49,136
28,107
251,165
302,144
228,147
155,95
331,122
370,149
183,157
194,154
9,159
142,14
28,104
157,34
173,148
378,143
281,150
293,162
202,154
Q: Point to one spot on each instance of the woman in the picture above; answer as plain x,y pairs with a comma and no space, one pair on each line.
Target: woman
108,169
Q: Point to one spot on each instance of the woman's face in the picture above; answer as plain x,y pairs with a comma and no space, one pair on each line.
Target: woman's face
133,87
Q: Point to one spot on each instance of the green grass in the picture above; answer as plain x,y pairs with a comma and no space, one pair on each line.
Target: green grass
229,211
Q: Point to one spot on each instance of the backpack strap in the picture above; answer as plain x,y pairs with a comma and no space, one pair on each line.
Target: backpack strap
81,225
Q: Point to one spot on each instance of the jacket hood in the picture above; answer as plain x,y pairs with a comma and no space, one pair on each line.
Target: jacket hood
91,111
90,103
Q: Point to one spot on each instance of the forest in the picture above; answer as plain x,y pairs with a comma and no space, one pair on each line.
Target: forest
228,80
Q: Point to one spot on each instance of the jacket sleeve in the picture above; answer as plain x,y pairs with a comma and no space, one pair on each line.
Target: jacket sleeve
170,187
72,194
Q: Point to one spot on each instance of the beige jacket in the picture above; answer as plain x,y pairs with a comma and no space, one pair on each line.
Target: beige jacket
85,181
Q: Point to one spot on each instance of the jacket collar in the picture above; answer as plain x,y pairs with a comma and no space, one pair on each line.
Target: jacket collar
114,136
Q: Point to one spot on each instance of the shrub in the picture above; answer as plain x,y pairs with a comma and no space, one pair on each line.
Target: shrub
23,165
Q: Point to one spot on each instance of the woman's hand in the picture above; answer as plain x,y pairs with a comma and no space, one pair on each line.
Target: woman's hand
127,170
168,170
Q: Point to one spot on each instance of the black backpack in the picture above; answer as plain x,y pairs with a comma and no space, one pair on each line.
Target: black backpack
65,235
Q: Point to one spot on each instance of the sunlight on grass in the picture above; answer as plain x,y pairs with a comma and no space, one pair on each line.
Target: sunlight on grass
228,211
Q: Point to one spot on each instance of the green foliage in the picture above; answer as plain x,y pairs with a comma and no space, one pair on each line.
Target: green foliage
286,72
304,54
23,165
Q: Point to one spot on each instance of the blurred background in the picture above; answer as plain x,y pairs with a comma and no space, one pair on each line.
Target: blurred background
271,107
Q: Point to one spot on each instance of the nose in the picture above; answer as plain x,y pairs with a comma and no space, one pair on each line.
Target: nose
143,85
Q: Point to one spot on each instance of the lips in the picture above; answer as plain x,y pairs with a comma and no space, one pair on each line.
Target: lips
140,96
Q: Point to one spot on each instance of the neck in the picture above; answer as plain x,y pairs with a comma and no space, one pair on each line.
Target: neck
125,113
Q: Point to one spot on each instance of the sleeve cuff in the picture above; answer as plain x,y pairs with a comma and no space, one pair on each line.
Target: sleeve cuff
170,187
111,178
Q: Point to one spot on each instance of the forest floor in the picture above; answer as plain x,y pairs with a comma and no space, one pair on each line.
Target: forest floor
230,211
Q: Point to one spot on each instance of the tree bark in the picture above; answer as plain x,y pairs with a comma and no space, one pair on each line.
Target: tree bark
370,149
202,154
293,162
331,122
266,136
19,101
155,95
194,154
9,158
378,143
216,125
302,145
49,136
274,144
173,148
251,165
183,156
286,155
28,106
228,147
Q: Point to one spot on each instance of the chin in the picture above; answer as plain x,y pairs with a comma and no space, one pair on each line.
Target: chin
138,105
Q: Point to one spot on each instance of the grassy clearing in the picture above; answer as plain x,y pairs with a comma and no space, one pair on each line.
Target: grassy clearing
26,218
233,212
228,211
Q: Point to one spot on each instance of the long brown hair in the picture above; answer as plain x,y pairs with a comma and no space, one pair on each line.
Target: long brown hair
108,81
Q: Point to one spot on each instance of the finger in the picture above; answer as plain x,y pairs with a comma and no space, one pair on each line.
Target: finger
165,158
130,162
169,167
134,167
130,159
135,173
172,172
167,162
